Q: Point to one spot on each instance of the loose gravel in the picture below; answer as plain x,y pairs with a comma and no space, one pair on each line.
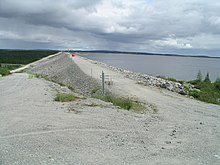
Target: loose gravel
64,71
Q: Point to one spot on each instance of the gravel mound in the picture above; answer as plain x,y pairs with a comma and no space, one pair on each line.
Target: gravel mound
61,69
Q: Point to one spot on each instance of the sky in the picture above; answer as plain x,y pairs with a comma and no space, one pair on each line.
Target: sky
159,26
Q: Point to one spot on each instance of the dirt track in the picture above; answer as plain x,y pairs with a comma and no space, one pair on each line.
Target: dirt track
36,130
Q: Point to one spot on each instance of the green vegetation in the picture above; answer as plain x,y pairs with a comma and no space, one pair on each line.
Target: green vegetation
4,71
124,103
5,68
171,79
206,90
42,76
61,97
217,83
95,90
12,59
23,56
207,79
199,76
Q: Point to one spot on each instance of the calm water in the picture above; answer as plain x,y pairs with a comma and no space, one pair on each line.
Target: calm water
181,68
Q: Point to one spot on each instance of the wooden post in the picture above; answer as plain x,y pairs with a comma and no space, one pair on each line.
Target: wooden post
103,83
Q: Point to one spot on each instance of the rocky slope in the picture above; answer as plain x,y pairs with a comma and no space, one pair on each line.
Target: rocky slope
62,70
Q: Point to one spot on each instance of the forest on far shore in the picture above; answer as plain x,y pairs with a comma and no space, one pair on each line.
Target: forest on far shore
23,56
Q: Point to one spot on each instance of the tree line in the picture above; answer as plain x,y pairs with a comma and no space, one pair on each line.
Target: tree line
23,56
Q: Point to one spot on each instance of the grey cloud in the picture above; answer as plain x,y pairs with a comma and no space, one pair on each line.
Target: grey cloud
124,25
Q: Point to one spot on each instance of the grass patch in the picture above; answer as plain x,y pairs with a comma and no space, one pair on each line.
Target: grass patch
6,68
42,76
62,97
124,103
208,92
4,71
95,90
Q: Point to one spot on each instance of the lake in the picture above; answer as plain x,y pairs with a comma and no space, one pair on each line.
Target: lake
181,68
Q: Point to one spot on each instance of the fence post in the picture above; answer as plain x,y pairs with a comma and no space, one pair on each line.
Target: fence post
103,83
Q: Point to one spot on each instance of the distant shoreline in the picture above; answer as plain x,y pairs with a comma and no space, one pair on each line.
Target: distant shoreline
114,52
141,53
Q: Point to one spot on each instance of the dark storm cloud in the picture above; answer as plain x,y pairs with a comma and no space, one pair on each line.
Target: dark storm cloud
145,25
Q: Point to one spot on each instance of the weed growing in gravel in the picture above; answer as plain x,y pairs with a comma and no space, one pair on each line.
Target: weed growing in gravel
94,90
70,87
63,97
42,76
124,103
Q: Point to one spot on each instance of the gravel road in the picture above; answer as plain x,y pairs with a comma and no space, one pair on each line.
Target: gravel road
37,130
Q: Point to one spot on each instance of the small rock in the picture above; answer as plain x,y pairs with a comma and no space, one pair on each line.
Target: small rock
163,85
142,141
168,142
182,92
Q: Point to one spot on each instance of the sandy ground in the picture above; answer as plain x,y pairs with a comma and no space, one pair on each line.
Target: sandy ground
37,130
